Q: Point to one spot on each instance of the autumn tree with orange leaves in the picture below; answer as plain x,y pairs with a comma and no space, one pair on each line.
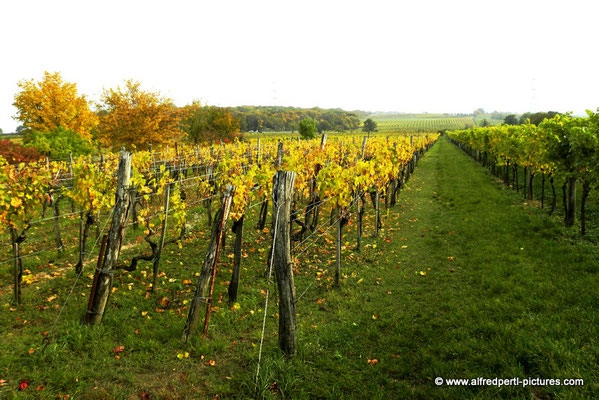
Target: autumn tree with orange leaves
134,118
205,123
52,103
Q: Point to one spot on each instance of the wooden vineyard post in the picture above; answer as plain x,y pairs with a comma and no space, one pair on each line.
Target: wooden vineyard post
234,285
258,152
122,207
208,268
360,209
208,201
79,265
95,281
378,213
57,237
570,201
71,177
543,190
156,263
397,181
530,178
282,195
323,141
338,248
279,155
18,263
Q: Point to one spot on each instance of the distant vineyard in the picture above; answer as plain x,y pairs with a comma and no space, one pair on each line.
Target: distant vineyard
418,124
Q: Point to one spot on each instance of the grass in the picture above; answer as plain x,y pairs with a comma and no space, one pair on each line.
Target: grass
465,281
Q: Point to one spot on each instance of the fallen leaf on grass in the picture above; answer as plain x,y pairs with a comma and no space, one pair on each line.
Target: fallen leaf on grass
23,384
51,298
373,361
212,363
118,349
164,301
375,316
3,382
451,269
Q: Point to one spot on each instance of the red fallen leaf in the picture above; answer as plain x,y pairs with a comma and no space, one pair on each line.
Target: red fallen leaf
44,333
23,384
320,301
118,349
40,387
187,281
212,363
451,233
373,362
144,396
164,301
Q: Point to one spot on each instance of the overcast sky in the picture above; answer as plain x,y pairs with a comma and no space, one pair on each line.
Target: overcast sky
406,56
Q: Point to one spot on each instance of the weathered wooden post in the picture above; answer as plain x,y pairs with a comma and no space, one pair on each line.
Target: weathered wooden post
338,247
279,155
122,207
360,209
95,280
258,152
282,194
209,267
17,263
156,262
323,141
234,285
377,219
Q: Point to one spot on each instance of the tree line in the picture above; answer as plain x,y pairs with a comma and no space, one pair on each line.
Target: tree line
534,118
57,120
275,118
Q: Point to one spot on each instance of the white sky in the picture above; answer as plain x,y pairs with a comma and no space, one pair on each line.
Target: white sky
406,56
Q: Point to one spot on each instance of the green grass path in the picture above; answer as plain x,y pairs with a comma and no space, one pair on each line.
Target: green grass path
504,297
